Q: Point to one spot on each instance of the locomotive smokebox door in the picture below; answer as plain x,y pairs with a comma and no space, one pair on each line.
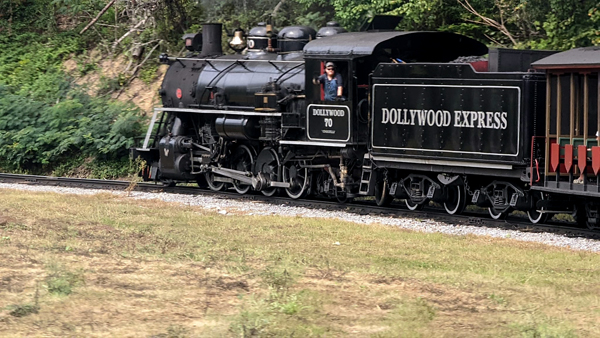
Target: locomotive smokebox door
265,101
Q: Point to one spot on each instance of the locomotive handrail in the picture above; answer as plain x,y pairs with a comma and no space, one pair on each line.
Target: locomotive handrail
287,71
531,161
174,59
213,67
243,65
274,65
215,111
217,77
211,106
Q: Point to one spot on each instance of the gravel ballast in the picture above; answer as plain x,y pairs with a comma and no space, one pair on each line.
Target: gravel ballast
226,206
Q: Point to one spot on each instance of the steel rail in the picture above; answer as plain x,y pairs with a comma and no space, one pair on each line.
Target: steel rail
360,207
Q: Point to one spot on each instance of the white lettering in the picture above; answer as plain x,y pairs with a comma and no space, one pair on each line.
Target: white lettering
447,118
480,119
385,116
457,114
504,123
488,119
436,118
422,117
393,116
412,117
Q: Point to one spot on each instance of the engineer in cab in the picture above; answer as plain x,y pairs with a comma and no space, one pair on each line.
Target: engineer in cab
332,83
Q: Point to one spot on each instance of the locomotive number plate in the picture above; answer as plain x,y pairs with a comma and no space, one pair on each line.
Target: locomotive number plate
328,122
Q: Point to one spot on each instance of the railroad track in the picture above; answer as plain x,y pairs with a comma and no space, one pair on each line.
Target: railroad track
360,206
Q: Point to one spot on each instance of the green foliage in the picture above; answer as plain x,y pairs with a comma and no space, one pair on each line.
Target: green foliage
34,134
246,14
30,65
101,168
61,281
108,85
22,310
554,24
27,15
149,73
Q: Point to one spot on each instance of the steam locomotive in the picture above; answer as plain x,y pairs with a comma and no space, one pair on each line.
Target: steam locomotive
420,120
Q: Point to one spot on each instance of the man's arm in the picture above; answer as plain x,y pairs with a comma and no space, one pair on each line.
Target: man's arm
340,88
318,80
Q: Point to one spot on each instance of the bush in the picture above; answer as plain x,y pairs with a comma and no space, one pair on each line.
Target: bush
35,135
45,121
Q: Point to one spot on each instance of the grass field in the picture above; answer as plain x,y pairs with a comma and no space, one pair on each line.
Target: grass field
106,265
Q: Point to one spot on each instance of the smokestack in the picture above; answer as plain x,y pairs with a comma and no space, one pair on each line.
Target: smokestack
211,39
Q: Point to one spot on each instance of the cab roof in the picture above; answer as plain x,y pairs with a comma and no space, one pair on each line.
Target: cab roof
578,58
418,46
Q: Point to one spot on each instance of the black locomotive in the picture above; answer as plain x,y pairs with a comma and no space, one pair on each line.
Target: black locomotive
413,123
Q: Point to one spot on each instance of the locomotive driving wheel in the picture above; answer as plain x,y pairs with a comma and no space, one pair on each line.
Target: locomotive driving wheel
212,184
297,176
267,164
457,200
242,160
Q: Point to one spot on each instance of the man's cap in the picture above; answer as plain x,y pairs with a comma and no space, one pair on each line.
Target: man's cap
598,134
330,64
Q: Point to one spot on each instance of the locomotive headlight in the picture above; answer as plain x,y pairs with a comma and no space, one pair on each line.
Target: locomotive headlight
238,43
189,41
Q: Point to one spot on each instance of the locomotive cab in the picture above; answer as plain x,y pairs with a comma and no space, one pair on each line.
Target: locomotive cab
330,118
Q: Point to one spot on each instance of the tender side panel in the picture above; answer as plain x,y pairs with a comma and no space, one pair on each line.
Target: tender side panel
464,121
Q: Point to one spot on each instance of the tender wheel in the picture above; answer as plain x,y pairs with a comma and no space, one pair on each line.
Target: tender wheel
267,163
382,193
535,216
495,214
212,184
457,200
579,215
414,206
593,216
297,177
242,160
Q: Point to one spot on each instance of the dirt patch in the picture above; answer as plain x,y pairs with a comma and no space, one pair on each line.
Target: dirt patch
109,73
142,94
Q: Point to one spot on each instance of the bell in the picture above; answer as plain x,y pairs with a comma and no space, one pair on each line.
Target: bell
238,43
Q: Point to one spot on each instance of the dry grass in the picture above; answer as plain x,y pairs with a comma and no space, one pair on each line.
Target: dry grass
109,266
